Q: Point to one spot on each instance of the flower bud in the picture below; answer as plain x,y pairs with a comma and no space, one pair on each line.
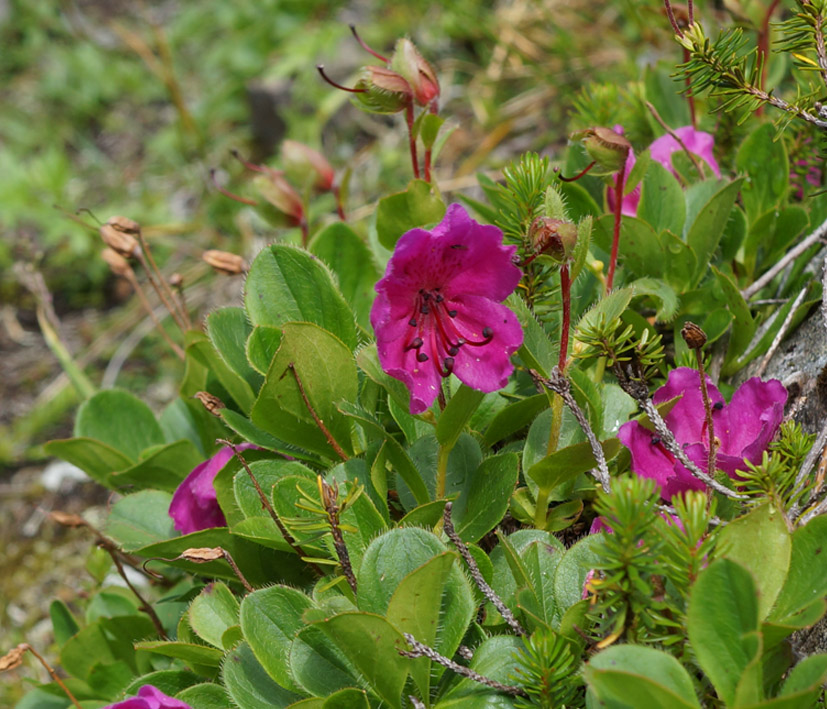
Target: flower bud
382,90
554,237
307,164
411,65
607,148
693,335
225,262
274,187
117,263
118,235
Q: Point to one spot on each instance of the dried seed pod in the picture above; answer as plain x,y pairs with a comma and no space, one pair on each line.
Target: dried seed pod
13,658
225,262
176,280
120,241
117,263
211,402
693,335
67,520
202,555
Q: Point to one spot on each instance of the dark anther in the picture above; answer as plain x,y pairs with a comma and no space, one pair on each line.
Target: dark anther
460,341
449,364
439,298
453,351
459,247
424,309
452,313
416,343
718,405
421,357
487,332
426,296
655,440
412,322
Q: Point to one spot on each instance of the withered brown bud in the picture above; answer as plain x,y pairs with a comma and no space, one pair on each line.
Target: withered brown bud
607,148
176,280
553,237
225,262
201,555
124,224
694,337
121,242
13,658
211,402
117,263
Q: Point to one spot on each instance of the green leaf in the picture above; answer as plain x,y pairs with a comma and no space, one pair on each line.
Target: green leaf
807,577
431,123
204,696
662,204
248,685
397,455
262,345
576,563
722,623
608,309
743,324
495,659
229,330
318,665
188,652
706,230
140,519
213,612
328,375
415,607
64,625
418,206
808,675
168,681
368,361
349,257
635,676
456,415
567,463
537,351
483,501
98,460
270,619
163,469
513,418
370,643
640,250
200,349
765,161
397,553
120,420
287,284
760,542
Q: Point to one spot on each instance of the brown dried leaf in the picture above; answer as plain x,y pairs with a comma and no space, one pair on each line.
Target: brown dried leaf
13,658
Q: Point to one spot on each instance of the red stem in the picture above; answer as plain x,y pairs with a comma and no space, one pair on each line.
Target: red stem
340,207
428,165
565,289
409,119
619,180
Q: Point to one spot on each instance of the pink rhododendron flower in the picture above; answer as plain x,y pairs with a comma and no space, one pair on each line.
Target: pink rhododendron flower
438,308
744,428
697,142
150,698
194,505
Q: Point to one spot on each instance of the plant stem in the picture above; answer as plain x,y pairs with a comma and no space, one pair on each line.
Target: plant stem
139,291
409,119
145,605
327,434
711,452
441,471
340,207
565,288
54,675
690,98
620,178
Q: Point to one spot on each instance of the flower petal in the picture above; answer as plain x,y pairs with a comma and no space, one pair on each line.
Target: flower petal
649,460
697,142
485,367
754,415
687,419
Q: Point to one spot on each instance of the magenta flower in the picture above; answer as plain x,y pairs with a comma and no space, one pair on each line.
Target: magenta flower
697,142
744,428
438,308
150,698
194,505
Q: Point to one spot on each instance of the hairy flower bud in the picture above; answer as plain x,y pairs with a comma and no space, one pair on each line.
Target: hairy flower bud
225,262
117,263
412,66
382,90
554,237
307,164
119,235
607,148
